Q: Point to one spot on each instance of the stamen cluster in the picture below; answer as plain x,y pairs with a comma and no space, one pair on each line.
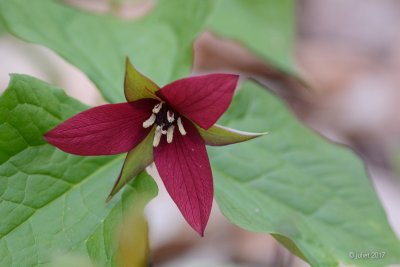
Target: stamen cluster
166,121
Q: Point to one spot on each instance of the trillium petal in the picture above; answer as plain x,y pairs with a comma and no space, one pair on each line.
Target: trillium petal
136,85
104,130
219,135
136,161
202,99
184,167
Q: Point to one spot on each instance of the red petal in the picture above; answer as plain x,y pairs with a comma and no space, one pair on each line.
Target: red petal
185,170
104,130
203,99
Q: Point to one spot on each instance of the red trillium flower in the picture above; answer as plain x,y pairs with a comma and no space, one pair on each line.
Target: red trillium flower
170,126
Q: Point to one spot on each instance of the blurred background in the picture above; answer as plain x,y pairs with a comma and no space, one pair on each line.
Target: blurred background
348,51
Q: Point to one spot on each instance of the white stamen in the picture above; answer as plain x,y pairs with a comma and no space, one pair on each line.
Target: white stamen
150,121
157,136
170,116
157,108
180,126
170,134
162,129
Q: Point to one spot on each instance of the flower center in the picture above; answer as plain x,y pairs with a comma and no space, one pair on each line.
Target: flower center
166,121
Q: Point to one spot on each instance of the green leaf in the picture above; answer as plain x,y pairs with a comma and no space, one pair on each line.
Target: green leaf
160,44
101,245
68,260
1,27
266,27
133,244
294,184
219,135
52,201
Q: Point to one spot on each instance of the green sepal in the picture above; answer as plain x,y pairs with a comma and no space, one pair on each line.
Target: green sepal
219,135
136,85
136,161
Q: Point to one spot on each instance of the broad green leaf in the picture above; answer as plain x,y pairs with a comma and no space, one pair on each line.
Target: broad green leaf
52,201
1,27
295,184
267,27
133,243
68,260
101,245
159,45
